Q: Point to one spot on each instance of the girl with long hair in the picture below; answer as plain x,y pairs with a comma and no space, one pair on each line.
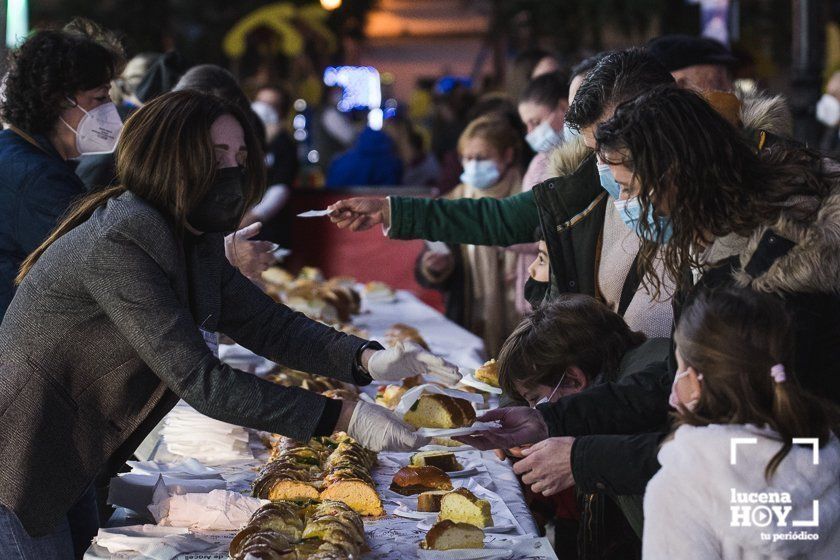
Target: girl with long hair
736,383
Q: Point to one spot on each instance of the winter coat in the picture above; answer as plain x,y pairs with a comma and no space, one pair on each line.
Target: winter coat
107,332
479,289
689,504
37,187
372,161
798,260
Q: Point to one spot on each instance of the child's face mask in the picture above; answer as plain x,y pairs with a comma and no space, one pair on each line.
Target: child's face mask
674,399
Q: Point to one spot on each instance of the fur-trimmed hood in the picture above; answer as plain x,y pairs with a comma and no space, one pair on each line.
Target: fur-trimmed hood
770,113
813,264
567,157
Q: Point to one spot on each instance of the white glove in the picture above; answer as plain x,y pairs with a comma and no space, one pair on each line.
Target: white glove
406,359
377,428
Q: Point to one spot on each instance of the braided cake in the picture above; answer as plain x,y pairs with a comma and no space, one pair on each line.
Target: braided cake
297,531
335,468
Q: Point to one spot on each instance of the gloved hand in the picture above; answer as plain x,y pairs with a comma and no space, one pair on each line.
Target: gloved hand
520,425
406,359
250,256
378,429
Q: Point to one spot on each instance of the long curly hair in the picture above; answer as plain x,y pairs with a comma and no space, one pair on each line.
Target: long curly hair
51,66
691,161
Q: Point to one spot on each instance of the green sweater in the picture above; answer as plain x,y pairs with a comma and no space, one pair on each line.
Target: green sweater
482,221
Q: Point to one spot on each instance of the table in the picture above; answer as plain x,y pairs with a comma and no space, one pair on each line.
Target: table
390,536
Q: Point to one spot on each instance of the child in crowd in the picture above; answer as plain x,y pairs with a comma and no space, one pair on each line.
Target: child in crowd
563,347
735,482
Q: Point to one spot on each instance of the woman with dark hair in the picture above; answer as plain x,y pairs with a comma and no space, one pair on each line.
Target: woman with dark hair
733,215
117,312
215,80
57,108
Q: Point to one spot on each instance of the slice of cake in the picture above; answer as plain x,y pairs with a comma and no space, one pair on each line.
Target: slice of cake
462,506
488,373
357,494
414,480
440,411
430,501
448,535
444,460
389,395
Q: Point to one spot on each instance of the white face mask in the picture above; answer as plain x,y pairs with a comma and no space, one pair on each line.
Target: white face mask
480,173
548,398
543,138
98,131
674,399
828,110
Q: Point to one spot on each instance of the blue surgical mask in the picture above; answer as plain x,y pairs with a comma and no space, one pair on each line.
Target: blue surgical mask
660,228
569,133
608,181
480,173
543,138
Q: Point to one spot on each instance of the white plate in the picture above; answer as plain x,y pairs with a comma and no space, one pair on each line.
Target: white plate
447,432
425,524
470,380
404,511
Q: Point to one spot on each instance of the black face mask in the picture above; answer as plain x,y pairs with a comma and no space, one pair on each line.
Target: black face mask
221,209
535,292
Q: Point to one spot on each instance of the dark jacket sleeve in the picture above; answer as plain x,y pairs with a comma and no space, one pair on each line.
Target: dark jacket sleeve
483,221
618,464
637,403
270,329
45,200
137,295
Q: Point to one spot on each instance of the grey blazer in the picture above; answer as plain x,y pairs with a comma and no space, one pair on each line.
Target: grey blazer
102,339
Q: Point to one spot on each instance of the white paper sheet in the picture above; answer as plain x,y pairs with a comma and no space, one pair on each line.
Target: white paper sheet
219,510
468,378
450,432
314,214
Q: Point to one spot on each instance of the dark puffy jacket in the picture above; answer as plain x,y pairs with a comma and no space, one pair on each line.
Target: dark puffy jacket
36,188
372,161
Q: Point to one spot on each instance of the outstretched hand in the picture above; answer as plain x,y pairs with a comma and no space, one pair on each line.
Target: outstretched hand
359,214
520,425
250,256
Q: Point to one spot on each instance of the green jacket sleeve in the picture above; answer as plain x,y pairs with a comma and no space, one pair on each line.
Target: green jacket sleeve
483,221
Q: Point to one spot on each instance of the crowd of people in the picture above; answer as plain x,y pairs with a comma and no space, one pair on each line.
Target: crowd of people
643,246
684,294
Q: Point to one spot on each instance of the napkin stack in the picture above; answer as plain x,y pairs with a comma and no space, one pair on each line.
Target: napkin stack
150,541
188,433
220,510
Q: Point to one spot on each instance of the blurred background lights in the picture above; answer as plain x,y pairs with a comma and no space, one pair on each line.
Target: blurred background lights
330,4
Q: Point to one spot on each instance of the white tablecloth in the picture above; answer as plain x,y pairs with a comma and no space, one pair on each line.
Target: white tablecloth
453,342
390,536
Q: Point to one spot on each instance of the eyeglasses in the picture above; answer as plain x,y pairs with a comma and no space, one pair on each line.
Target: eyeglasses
548,398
